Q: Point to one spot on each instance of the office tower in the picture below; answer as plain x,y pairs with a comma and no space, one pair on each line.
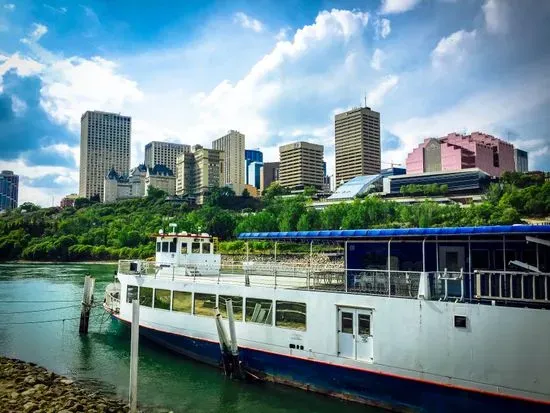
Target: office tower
301,165
252,155
455,152
357,143
232,146
163,153
104,145
270,174
521,160
254,174
9,190
199,171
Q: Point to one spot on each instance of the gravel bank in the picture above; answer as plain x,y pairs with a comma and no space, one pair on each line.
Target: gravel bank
26,387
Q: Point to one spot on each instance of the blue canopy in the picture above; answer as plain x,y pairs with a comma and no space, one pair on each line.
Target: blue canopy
398,232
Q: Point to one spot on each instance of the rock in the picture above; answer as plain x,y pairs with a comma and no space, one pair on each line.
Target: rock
28,392
14,395
40,387
29,407
66,381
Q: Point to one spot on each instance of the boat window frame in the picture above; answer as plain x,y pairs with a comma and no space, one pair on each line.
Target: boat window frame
165,243
208,245
212,313
194,248
248,319
191,302
155,299
287,324
136,296
141,288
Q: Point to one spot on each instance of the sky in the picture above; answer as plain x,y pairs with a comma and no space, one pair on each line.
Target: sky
277,71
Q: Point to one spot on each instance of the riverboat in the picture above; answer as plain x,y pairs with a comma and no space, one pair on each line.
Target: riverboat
418,319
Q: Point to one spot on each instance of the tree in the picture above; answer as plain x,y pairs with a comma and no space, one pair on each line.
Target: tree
223,197
156,193
245,193
28,207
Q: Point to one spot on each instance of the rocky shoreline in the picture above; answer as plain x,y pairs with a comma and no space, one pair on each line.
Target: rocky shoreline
26,387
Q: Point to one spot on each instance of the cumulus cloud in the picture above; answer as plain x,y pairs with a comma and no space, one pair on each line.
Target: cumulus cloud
377,58
382,27
22,66
376,96
496,13
282,34
397,6
38,31
453,49
248,22
74,85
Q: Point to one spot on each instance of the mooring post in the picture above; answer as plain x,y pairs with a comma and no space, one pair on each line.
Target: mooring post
134,349
87,300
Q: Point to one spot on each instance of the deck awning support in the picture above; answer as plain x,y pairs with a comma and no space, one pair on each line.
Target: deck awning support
424,255
389,267
247,251
275,251
346,266
470,286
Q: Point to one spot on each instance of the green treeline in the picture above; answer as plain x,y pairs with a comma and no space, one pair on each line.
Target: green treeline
95,231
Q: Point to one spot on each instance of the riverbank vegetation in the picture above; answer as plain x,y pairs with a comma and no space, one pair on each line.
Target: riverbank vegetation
95,231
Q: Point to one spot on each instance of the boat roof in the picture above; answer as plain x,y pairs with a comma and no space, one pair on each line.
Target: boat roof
396,232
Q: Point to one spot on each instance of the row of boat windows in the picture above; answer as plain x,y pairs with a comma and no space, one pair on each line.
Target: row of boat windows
196,247
288,314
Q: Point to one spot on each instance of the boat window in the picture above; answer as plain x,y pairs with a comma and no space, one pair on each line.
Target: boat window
182,301
158,246
206,248
131,293
259,310
364,324
165,246
162,299
480,259
173,245
146,296
196,247
184,247
237,306
347,322
290,315
204,304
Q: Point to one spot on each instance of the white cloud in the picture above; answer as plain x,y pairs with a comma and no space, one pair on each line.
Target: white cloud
398,6
453,49
74,85
9,6
282,34
18,106
38,31
382,27
60,10
497,14
22,66
248,22
376,96
377,58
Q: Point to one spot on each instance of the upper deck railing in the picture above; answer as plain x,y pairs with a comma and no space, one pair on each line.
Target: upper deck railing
480,285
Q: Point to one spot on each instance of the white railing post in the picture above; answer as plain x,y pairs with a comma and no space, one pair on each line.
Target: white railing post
134,349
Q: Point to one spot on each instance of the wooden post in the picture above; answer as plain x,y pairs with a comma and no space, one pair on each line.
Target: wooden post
134,349
87,300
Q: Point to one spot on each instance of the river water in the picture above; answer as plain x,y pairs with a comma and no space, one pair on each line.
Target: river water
33,295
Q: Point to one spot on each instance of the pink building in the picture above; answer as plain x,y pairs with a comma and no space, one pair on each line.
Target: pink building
454,152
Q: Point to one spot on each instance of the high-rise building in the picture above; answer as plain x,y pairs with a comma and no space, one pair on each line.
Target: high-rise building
301,165
357,143
163,153
270,174
455,152
9,190
521,160
232,146
251,155
198,171
254,173
104,145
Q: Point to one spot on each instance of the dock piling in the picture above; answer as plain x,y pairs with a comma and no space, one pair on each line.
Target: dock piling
87,301
134,349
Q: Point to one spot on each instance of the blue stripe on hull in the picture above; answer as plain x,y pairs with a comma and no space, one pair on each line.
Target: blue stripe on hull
382,390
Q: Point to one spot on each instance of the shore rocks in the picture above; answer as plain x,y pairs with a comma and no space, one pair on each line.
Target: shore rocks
26,387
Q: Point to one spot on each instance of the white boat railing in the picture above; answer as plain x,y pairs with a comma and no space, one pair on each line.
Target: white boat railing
437,285
512,286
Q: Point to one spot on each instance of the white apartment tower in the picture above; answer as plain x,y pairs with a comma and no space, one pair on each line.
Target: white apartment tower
164,153
104,144
232,145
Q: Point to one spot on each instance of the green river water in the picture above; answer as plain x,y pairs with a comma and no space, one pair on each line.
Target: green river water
101,358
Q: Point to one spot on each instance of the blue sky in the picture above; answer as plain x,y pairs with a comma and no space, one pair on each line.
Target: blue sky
276,71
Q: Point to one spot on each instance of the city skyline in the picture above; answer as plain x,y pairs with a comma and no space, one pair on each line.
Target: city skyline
427,77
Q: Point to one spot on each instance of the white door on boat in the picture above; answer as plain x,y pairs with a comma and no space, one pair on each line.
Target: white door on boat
346,334
363,336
